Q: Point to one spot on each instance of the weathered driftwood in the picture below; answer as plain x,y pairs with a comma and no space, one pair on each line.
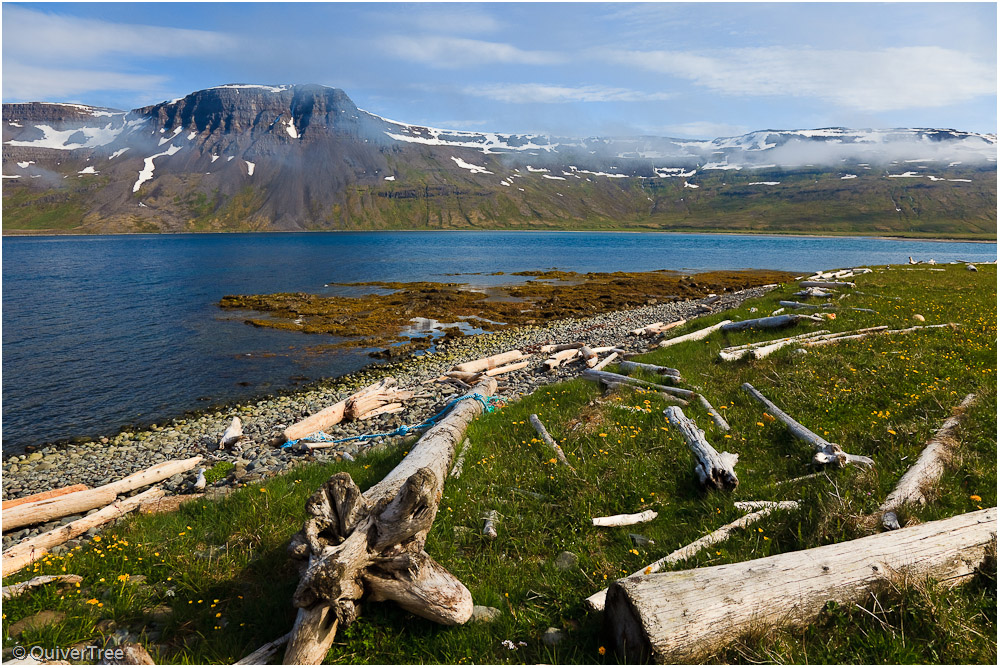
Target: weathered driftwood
760,352
387,409
167,504
456,470
669,398
487,363
28,551
812,292
625,520
603,376
15,590
628,367
647,329
719,421
540,428
558,358
589,356
826,284
694,336
769,322
322,420
559,347
871,332
355,544
41,496
80,502
507,368
606,361
789,304
711,299
681,616
826,452
600,350
374,397
262,655
713,468
489,526
465,376
734,353
760,510
232,435
927,470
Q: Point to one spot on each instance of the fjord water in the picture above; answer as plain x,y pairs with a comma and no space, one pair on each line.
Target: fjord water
104,331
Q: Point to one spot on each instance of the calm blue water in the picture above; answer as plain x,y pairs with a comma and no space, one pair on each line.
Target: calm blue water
99,332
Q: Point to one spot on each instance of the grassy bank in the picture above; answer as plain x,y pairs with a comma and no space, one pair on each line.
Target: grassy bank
212,582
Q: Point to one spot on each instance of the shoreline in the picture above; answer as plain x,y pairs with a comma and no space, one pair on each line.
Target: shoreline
793,235
98,462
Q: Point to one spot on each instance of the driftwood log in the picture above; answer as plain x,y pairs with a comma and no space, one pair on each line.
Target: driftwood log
30,550
41,496
826,284
374,397
558,358
80,502
606,361
607,376
559,347
624,520
549,441
322,420
262,655
507,368
15,590
826,452
489,525
167,504
734,353
681,616
761,352
356,544
669,398
872,331
927,470
456,470
589,356
714,469
769,322
488,363
759,510
694,336
628,367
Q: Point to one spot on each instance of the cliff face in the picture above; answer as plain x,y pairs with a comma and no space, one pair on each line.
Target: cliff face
250,157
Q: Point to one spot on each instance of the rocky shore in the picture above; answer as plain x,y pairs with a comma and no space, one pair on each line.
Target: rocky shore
108,459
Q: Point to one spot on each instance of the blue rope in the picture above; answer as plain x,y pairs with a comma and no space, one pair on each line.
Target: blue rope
489,405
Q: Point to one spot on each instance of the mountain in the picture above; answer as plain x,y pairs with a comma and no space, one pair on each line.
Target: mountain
249,157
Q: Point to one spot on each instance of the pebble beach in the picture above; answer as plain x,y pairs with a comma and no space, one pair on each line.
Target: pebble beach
111,458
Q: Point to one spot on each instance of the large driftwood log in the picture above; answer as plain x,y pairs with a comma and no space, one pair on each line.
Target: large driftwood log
763,351
734,353
559,347
589,356
607,376
681,616
355,543
487,363
769,322
15,590
80,502
669,398
507,368
628,367
41,496
694,336
624,520
826,452
549,441
760,509
167,504
606,361
32,549
558,358
826,284
927,470
714,469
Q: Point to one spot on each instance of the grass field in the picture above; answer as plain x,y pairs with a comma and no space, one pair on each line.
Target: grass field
216,578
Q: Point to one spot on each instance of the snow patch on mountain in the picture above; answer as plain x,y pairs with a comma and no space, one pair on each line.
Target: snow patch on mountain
475,169
250,167
147,170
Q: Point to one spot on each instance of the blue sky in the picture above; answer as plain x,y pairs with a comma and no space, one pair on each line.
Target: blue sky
677,69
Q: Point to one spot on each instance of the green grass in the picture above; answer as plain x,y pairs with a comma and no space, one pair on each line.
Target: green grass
882,397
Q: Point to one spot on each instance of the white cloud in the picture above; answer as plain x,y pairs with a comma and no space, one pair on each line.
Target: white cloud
882,80
53,38
550,94
456,52
26,82
702,130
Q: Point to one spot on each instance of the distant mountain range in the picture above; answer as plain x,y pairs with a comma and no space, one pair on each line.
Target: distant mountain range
246,157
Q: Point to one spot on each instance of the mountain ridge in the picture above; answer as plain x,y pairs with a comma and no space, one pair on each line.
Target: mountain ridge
303,157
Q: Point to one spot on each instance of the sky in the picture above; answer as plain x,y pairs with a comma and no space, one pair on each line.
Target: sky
700,69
